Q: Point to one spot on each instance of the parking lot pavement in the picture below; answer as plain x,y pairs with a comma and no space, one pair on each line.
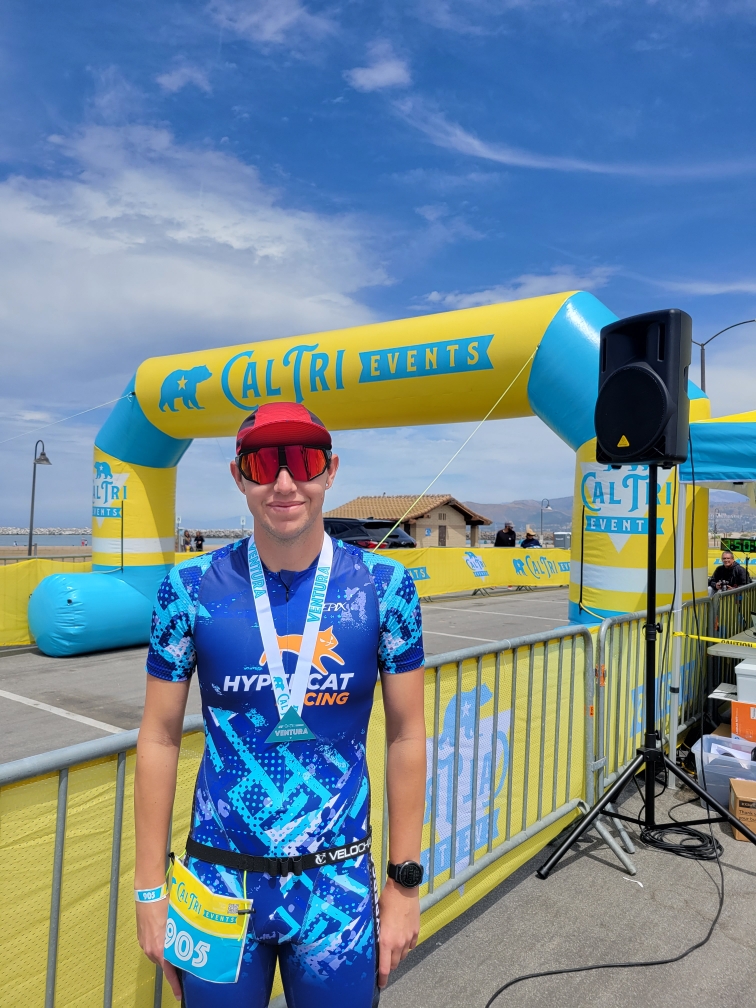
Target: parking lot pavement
453,623
107,687
591,911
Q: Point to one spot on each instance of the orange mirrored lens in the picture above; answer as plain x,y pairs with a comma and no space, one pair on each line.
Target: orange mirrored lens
263,465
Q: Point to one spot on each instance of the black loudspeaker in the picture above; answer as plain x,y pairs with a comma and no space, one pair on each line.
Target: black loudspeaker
642,407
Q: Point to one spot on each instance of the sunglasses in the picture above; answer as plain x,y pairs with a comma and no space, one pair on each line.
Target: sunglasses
264,464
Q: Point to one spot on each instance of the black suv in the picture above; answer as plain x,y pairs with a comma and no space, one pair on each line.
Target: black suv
367,534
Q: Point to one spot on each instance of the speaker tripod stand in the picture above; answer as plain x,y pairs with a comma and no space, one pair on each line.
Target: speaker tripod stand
651,755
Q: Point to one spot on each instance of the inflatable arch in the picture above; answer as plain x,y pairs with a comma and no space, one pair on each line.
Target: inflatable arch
433,369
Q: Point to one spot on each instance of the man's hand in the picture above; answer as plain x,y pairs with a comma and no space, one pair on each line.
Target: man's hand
151,918
400,925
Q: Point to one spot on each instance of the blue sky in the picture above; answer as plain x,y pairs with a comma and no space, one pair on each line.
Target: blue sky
183,175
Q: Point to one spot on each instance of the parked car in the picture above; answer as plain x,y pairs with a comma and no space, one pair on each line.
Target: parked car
367,534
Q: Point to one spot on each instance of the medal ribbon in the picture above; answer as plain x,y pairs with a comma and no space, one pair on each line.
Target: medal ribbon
291,695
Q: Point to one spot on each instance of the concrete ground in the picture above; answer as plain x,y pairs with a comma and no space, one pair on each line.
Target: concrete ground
462,621
590,911
106,687
109,687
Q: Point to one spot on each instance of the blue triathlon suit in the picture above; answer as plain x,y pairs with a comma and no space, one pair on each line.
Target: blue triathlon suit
299,797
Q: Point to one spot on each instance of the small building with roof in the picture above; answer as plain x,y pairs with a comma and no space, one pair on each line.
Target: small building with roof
432,520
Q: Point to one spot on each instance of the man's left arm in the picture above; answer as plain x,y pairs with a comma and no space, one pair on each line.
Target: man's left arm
403,701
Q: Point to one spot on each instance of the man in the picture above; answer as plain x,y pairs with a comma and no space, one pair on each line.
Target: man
284,823
506,536
199,541
530,541
728,574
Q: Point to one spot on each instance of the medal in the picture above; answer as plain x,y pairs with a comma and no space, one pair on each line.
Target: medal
290,697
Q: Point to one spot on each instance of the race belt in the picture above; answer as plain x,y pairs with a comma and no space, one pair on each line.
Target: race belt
277,866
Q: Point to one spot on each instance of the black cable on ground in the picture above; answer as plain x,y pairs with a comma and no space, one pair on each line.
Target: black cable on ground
621,965
694,843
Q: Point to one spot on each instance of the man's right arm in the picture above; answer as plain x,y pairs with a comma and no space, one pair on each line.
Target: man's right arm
158,749
170,663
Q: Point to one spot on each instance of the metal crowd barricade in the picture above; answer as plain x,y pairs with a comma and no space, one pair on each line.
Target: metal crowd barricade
63,557
730,614
511,730
620,678
512,733
85,783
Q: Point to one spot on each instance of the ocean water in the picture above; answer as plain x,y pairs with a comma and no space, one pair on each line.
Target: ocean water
77,540
46,540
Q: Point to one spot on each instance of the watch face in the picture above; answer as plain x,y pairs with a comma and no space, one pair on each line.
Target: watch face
409,874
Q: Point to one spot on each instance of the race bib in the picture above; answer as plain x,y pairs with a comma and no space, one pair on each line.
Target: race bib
204,933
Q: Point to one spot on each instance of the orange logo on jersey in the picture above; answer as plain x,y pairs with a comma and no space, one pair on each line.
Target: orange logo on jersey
324,648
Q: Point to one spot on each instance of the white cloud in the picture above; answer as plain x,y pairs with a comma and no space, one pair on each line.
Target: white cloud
270,21
477,17
451,136
451,15
152,247
432,211
447,181
176,79
146,247
115,98
702,288
709,287
525,286
384,70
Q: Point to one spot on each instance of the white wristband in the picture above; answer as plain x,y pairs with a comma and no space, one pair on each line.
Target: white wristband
151,895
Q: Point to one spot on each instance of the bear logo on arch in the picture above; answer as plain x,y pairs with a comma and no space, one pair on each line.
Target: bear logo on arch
182,385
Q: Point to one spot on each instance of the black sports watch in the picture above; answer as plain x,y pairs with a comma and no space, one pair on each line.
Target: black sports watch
408,874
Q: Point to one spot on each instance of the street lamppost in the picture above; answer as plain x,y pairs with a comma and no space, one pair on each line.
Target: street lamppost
39,459
705,342
545,506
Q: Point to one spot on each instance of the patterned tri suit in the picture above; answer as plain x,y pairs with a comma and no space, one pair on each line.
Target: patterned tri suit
294,798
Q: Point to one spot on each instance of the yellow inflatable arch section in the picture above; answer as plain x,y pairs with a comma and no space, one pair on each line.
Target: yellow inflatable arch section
443,368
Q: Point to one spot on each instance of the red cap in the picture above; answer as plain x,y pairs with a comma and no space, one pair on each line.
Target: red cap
282,423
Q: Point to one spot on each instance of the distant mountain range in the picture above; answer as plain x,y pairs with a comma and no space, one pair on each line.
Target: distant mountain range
528,512
733,511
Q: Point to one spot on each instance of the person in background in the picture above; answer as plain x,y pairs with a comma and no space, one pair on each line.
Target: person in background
187,542
199,542
530,540
729,574
506,536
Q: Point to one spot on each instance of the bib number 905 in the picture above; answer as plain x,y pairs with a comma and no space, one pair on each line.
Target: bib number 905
183,945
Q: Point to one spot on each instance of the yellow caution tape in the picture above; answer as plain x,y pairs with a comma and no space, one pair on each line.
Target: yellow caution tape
716,640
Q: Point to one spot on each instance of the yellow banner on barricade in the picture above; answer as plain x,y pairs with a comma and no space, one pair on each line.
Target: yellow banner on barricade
17,582
505,740
437,570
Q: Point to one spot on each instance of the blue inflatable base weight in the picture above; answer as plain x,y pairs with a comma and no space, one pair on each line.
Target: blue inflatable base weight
77,613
